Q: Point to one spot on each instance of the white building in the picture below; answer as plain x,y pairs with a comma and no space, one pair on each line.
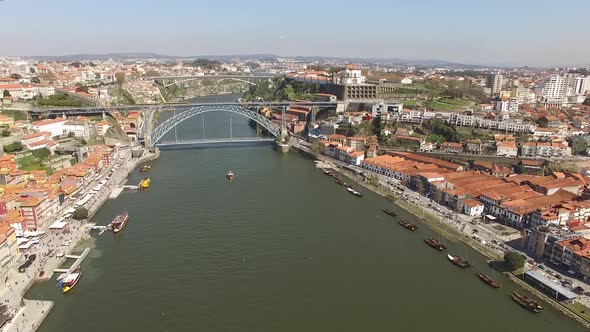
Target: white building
555,90
352,75
54,126
79,128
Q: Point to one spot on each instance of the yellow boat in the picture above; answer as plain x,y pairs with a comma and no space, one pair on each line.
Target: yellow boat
145,183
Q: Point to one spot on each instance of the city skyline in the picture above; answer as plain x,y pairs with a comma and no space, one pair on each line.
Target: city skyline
499,34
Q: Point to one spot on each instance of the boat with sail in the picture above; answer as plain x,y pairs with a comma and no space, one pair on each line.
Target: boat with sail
460,262
488,280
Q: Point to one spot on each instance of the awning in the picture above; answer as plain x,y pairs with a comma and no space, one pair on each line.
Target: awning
58,225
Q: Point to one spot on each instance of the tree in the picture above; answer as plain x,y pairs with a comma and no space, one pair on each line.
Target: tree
5,93
120,77
513,261
14,147
520,169
316,147
71,134
42,153
5,133
151,73
35,80
80,213
15,76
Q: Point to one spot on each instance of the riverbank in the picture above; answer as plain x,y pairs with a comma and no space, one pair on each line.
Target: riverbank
451,230
30,312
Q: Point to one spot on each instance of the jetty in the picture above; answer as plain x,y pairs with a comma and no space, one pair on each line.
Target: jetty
76,264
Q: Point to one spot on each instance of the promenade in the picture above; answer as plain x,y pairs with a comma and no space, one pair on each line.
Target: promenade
29,314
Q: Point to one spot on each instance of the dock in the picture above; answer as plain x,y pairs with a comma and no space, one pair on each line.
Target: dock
116,192
76,264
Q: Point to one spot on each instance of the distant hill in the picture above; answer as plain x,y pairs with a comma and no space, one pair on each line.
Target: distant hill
263,56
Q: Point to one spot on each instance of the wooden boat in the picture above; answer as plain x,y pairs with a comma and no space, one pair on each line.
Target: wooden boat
525,302
488,280
338,181
460,262
435,244
389,212
408,225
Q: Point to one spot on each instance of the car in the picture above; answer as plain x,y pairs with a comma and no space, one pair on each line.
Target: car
556,275
579,290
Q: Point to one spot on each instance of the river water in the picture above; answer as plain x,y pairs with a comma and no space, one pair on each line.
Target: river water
281,248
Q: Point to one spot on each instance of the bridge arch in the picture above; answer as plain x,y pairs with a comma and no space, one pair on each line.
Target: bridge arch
163,128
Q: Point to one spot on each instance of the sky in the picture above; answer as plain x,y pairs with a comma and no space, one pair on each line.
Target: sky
499,32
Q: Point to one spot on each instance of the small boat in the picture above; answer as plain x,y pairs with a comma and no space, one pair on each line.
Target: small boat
530,301
145,168
338,181
525,302
119,222
488,280
230,175
389,212
69,281
435,244
408,225
145,183
354,192
327,173
460,262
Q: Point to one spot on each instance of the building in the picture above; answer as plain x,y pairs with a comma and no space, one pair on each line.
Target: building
352,75
555,91
78,128
544,150
54,126
495,83
569,252
472,207
473,146
35,209
451,147
506,149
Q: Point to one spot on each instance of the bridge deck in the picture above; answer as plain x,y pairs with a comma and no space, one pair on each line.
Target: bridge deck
217,141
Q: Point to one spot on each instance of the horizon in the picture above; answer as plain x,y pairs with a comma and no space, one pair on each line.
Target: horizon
456,31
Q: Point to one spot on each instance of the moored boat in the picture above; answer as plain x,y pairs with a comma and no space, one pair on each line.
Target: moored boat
119,222
460,262
488,280
327,173
525,302
389,212
435,244
408,225
145,168
530,301
354,192
145,183
338,181
69,281
230,175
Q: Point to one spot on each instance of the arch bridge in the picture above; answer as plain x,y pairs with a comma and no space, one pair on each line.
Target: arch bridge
162,129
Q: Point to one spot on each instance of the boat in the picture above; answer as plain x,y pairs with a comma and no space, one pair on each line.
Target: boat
338,181
408,225
526,303
460,262
69,281
230,175
435,244
389,212
145,168
327,173
145,183
354,192
488,280
119,222
531,303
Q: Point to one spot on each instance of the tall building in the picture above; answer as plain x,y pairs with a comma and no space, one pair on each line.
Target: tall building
581,85
495,83
555,90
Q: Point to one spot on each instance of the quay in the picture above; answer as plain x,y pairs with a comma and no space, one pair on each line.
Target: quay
76,264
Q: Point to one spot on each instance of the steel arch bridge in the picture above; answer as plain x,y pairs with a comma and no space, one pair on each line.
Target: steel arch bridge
162,129
199,78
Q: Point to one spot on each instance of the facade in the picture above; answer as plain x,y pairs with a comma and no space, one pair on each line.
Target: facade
547,150
472,207
495,83
79,128
53,126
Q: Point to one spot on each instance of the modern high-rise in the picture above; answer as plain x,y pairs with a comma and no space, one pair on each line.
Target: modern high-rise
495,83
555,91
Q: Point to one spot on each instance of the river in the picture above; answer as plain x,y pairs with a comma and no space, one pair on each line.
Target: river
281,248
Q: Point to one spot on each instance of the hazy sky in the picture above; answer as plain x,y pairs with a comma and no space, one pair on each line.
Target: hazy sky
521,32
